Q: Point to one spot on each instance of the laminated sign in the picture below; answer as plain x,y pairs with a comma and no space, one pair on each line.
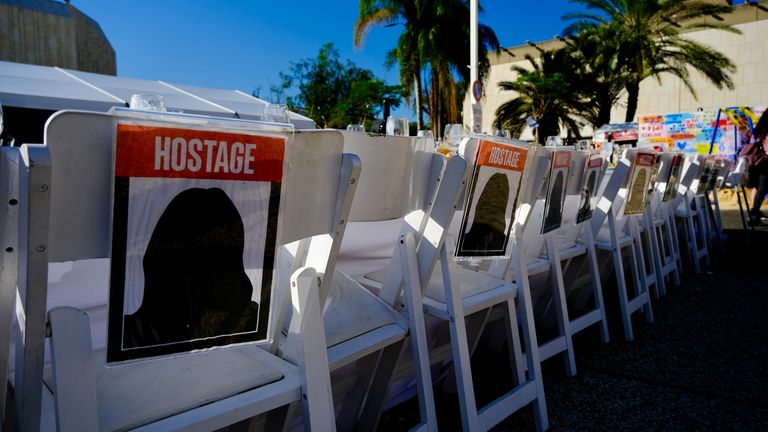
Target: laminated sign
558,176
491,201
673,180
193,242
589,187
639,179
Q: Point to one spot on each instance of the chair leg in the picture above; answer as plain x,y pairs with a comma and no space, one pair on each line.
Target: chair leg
597,287
561,307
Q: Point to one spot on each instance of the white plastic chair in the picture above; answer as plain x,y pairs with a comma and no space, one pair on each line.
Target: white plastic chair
402,175
687,210
663,237
9,242
617,232
574,240
403,179
205,390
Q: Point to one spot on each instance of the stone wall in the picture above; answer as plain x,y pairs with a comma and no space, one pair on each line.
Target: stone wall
49,33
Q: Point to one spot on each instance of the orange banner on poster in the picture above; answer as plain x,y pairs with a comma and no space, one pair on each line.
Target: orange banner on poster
645,159
152,151
501,156
561,159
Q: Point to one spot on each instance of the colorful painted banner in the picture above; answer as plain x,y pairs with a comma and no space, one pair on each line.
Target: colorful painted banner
688,132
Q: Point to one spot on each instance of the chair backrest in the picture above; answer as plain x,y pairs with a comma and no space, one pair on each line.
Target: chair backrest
492,196
400,182
609,198
9,241
586,174
691,168
708,168
80,146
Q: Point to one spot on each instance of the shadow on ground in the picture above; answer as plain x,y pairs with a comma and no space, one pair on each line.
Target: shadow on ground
702,365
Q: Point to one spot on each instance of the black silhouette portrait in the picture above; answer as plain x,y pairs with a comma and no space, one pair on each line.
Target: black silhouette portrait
195,284
585,206
636,195
554,205
488,232
671,189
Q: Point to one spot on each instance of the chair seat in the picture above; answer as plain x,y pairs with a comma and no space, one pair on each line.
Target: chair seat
352,311
572,250
603,240
136,394
469,283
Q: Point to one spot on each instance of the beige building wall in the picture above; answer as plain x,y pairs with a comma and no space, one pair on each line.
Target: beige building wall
748,51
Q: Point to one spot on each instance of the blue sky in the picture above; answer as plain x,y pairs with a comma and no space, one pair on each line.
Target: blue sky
244,44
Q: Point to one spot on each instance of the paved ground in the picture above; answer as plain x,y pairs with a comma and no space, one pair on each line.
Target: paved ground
702,365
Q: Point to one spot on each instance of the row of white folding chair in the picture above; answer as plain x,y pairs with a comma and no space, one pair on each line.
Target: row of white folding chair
320,183
548,252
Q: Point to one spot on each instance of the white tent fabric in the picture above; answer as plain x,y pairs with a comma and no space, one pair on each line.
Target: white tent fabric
53,88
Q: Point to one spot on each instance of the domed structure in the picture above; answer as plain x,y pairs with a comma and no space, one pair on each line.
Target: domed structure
52,33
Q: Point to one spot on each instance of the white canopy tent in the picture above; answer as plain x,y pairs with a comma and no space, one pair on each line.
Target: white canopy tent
54,88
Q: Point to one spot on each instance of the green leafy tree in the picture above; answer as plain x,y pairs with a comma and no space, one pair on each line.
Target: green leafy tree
595,73
545,92
335,94
648,36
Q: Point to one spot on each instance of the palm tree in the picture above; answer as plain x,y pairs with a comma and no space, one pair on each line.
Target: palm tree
596,74
436,39
545,92
407,53
649,36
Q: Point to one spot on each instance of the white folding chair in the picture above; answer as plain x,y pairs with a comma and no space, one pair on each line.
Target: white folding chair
402,174
687,210
403,179
734,180
572,241
9,243
204,390
663,236
458,292
549,181
617,232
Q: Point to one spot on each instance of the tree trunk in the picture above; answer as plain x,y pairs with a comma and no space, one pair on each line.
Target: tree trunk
417,100
633,92
604,105
434,104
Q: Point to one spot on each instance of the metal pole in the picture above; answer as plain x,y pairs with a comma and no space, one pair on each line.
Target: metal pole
473,41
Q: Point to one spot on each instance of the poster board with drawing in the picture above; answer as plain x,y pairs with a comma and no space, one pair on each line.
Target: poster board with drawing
591,181
492,197
556,185
195,222
639,178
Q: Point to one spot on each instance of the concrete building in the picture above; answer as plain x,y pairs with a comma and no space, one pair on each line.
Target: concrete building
52,33
748,51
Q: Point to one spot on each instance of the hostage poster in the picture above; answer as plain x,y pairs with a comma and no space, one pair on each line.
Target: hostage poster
492,198
558,176
193,242
639,179
594,167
